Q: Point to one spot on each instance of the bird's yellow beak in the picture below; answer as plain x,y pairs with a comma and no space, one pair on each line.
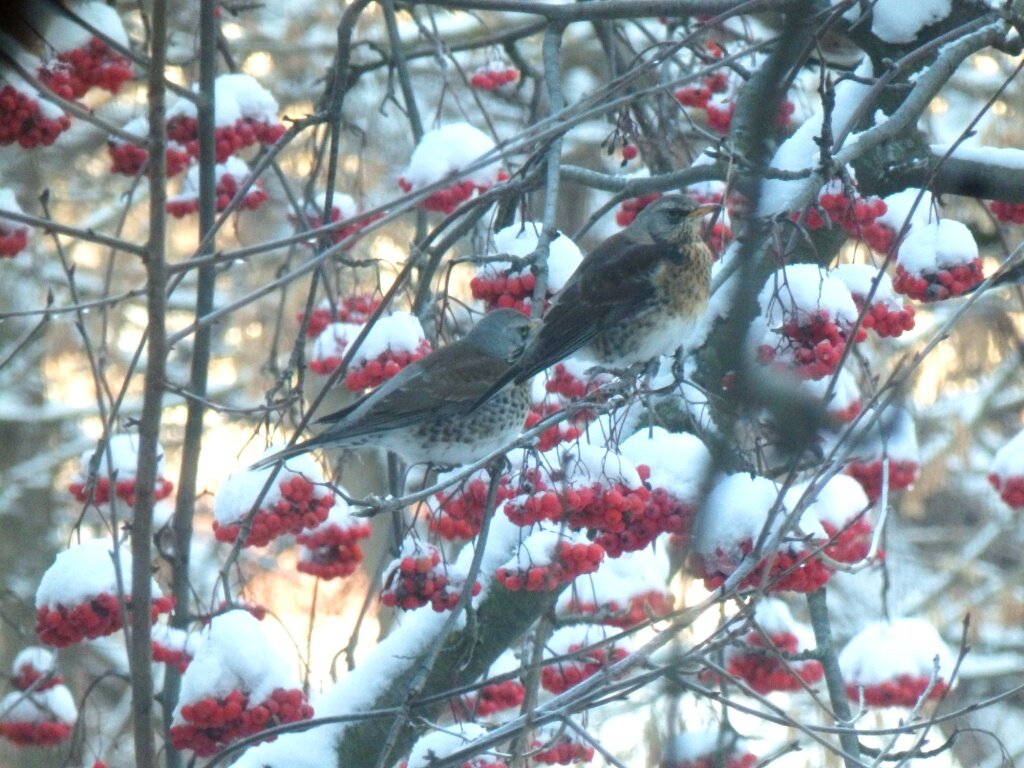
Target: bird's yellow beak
704,210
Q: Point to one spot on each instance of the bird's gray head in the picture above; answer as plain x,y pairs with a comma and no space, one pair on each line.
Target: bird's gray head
501,333
669,219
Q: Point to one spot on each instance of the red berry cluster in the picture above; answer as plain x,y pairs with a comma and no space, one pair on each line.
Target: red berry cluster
496,697
12,241
1011,490
504,289
564,431
175,657
782,571
449,198
856,215
27,676
355,309
302,505
420,579
851,543
563,675
563,751
904,691
128,159
461,511
61,626
22,121
932,286
333,550
563,382
95,64
227,188
213,723
639,609
229,139
568,561
624,518
123,489
814,345
375,372
340,234
902,475
1009,213
492,77
700,95
630,208
741,760
43,734
719,116
883,320
628,152
759,663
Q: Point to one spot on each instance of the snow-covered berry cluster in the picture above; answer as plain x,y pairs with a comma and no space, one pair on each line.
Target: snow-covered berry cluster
1006,472
565,431
626,591
13,234
887,315
631,207
298,499
738,509
171,646
841,507
442,742
35,668
343,208
354,309
330,344
500,695
890,453
456,514
548,558
25,118
331,550
128,158
391,344
420,577
893,664
707,749
41,717
77,596
856,215
232,175
579,652
502,283
936,261
118,460
551,748
235,686
444,153
807,320
72,73
493,75
760,658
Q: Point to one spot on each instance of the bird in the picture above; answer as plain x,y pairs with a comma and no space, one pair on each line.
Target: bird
636,296
426,412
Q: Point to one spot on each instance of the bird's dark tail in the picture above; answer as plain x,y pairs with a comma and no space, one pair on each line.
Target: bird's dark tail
288,453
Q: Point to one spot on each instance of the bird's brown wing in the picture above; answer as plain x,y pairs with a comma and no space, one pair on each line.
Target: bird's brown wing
609,286
447,382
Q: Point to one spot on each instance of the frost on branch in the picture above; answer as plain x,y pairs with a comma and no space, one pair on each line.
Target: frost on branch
14,235
626,591
893,664
298,499
331,550
506,284
77,598
1006,472
118,461
444,153
889,447
237,685
42,717
760,656
737,511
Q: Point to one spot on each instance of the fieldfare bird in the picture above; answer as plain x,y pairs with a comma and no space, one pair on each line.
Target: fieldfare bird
634,297
426,412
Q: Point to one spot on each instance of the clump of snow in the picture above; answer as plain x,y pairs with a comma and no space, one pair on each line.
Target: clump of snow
398,332
799,291
679,462
38,658
438,744
899,21
837,502
891,434
8,202
235,655
82,572
446,151
1009,460
698,747
234,167
312,748
844,402
540,548
237,97
49,705
333,340
900,209
238,493
583,464
774,617
884,651
736,509
859,278
520,240
120,457
933,247
64,33
619,580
